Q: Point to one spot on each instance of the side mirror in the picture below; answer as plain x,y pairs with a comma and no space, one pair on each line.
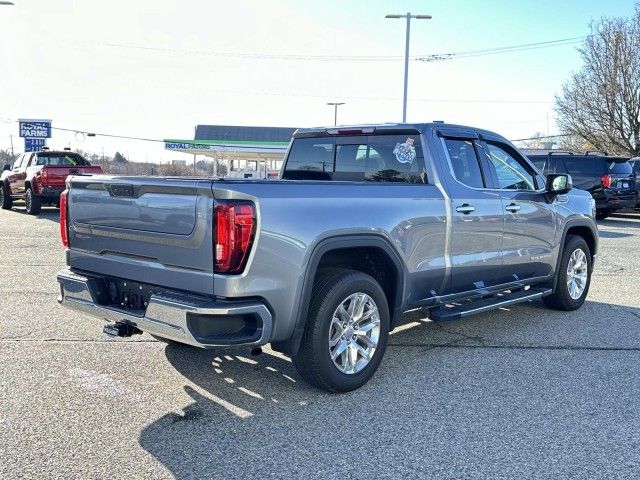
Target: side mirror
558,184
6,167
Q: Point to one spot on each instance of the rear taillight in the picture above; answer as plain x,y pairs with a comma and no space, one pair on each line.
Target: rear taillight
234,224
64,227
605,180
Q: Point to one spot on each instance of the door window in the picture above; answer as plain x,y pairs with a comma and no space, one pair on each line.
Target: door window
510,172
464,162
18,161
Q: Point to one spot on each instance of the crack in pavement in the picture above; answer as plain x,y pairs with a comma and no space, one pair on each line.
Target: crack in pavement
463,336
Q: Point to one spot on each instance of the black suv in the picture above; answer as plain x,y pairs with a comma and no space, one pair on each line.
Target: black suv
610,180
635,164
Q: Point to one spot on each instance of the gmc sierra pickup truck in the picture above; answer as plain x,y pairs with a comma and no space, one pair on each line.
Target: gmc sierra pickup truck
365,223
38,178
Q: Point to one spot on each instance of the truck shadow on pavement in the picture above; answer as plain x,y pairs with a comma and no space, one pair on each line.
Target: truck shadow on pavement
244,405
626,220
47,213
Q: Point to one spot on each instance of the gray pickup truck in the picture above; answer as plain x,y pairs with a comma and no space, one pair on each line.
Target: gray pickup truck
365,223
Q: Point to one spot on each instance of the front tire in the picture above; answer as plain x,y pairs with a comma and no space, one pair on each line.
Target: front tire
33,202
346,333
574,276
6,202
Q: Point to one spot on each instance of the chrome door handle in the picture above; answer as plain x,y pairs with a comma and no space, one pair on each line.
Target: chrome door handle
465,208
512,207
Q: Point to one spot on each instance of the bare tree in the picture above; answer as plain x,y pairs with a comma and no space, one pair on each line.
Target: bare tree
537,140
601,102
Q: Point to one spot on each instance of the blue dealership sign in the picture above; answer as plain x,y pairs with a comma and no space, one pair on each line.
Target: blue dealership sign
34,144
35,128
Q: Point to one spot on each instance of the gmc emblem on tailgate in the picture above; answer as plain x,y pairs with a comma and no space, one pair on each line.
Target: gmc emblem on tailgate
121,190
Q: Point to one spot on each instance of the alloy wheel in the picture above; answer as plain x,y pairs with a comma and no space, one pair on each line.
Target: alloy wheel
577,273
354,333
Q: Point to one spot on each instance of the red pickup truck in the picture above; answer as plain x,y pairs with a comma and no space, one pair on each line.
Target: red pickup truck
39,178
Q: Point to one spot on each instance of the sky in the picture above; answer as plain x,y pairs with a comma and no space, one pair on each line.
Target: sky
157,68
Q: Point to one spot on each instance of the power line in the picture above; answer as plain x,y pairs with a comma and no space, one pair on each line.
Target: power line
357,58
110,135
541,138
497,50
95,134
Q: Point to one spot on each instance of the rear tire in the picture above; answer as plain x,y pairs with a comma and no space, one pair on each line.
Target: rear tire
6,202
574,276
601,215
346,306
33,202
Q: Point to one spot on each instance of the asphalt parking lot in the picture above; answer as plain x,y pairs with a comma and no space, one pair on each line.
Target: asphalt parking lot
518,393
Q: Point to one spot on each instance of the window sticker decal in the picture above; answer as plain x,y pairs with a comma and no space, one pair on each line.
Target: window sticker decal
405,152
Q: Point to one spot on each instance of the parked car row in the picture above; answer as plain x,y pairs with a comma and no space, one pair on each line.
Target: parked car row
39,178
612,181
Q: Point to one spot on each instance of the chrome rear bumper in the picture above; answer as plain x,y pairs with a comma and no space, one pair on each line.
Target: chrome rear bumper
167,315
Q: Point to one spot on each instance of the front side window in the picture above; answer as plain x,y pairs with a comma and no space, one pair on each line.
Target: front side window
18,161
511,174
465,163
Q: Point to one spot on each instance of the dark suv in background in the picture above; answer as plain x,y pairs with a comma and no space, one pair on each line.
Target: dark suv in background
610,180
635,164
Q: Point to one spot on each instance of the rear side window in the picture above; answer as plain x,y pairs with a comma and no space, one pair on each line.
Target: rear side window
61,159
375,158
621,168
596,166
584,166
465,162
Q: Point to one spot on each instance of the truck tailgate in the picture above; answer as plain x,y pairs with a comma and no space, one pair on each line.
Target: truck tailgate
151,230
55,176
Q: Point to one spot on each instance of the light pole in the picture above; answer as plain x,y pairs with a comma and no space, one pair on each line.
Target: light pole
408,16
335,110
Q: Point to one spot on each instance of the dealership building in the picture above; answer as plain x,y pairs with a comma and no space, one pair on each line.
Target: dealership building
246,152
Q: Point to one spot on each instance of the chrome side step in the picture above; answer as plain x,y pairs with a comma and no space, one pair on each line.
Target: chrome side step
466,309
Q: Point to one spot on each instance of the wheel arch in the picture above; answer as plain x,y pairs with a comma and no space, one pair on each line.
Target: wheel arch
581,227
342,251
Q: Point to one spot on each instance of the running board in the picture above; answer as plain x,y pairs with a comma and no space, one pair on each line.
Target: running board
466,309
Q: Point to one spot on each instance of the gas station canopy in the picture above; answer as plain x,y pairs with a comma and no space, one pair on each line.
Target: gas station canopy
234,142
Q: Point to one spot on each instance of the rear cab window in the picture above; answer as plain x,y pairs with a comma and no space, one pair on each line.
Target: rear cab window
382,158
55,159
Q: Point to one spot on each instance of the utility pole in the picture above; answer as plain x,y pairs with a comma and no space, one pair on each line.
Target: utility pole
408,16
335,110
11,137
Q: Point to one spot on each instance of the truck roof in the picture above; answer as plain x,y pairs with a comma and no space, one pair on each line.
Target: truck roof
391,128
